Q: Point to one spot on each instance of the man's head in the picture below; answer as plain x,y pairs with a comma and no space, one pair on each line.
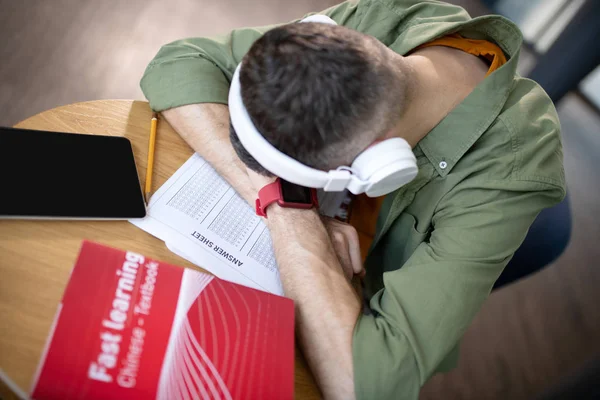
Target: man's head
320,93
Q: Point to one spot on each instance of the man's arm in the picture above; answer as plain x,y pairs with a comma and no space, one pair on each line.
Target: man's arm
205,127
327,307
425,307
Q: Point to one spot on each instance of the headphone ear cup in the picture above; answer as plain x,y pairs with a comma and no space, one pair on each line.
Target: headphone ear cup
391,178
386,166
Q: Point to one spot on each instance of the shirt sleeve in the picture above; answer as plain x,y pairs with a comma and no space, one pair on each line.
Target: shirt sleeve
199,70
426,306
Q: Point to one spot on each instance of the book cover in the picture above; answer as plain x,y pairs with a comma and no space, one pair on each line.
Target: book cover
129,327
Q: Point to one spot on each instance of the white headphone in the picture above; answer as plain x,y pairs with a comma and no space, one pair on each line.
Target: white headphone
378,170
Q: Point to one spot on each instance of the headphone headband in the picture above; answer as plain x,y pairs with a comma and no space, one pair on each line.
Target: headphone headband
291,170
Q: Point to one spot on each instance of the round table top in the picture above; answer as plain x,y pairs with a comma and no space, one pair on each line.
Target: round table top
36,257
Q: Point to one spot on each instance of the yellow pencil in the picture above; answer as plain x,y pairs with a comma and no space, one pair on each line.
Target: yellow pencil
151,146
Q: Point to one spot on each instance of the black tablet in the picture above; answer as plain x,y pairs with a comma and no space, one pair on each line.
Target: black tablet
67,176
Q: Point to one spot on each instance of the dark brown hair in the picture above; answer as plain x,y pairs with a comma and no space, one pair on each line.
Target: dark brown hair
317,93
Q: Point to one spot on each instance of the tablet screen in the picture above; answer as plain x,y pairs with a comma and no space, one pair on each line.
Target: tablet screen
66,175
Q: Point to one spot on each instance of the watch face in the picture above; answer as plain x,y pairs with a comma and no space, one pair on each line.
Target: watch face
293,193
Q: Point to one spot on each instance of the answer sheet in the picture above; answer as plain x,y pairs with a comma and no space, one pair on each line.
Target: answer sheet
203,219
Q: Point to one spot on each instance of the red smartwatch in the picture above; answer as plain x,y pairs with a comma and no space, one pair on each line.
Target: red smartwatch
286,194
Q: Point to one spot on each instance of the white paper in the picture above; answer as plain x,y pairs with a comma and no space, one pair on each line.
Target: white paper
203,220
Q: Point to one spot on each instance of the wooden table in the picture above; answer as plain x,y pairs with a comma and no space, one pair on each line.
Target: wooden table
36,257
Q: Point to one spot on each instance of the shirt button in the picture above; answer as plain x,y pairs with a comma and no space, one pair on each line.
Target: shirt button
443,164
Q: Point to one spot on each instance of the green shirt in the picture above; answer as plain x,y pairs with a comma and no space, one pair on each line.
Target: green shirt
485,172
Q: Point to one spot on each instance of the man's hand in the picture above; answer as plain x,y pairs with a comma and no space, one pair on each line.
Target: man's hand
316,265
346,245
327,304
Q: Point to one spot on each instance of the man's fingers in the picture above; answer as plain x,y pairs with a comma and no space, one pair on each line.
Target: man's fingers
350,237
354,250
346,245
340,246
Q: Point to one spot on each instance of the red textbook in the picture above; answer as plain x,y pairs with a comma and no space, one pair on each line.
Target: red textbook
133,328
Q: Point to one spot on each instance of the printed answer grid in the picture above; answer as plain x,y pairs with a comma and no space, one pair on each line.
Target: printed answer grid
235,222
262,251
198,196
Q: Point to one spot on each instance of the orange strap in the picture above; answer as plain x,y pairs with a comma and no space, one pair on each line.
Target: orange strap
365,209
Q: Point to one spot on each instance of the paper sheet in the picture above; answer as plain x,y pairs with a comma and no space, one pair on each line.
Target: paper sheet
202,219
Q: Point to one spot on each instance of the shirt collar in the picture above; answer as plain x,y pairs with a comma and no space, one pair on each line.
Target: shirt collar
445,144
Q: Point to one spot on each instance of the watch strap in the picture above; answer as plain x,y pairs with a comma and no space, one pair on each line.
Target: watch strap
268,195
